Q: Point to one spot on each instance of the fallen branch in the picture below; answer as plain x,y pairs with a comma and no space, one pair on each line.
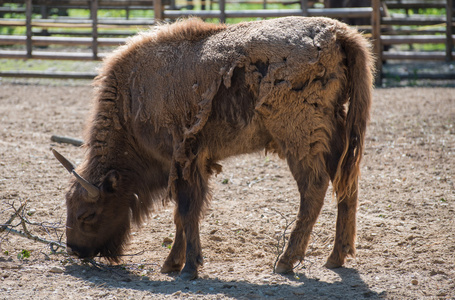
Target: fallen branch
19,213
11,219
67,140
35,238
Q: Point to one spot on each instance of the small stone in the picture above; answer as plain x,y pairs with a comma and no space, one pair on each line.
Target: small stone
438,261
230,249
216,238
56,270
258,254
415,282
436,272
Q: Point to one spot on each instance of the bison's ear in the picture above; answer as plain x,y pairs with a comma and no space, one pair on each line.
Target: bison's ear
111,182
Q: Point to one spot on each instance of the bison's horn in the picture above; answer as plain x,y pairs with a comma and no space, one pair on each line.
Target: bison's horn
92,190
66,163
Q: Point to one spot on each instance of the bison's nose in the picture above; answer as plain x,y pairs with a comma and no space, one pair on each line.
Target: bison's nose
81,252
71,251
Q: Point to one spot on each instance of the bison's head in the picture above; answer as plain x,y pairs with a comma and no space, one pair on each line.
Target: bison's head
98,217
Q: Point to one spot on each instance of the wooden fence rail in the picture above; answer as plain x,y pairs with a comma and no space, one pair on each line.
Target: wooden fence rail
55,40
403,27
94,24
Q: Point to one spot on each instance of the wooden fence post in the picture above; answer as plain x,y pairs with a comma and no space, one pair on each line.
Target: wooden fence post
28,27
158,8
449,30
377,45
304,7
222,4
94,13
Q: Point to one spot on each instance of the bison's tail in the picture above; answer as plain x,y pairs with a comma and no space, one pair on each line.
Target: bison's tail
360,73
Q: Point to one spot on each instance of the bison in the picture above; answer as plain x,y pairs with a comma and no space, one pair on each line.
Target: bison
174,101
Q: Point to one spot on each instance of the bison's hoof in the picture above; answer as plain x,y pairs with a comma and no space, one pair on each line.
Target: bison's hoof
169,268
188,275
284,268
331,264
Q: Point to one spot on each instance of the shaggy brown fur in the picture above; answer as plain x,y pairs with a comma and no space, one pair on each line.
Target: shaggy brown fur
175,101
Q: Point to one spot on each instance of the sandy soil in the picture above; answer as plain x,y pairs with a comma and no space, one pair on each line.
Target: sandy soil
406,215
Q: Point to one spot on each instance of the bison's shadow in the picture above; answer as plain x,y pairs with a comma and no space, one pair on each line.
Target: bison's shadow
351,286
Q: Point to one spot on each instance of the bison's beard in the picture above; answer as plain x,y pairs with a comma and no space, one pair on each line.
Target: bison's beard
114,248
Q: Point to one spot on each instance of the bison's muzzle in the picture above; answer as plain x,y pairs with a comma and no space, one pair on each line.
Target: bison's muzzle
80,252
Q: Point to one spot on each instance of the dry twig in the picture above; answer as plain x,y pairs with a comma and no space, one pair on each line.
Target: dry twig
8,227
280,248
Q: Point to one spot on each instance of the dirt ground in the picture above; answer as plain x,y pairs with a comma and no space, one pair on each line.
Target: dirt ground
406,215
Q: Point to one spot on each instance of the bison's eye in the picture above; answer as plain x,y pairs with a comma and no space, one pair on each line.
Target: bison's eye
90,218
87,217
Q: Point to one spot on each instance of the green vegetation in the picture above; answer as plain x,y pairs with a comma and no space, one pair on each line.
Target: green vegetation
48,65
428,12
422,47
421,11
23,254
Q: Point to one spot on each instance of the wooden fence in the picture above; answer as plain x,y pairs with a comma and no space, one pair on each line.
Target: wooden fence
417,29
385,30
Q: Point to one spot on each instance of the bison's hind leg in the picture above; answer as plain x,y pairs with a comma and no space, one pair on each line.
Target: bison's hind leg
345,231
312,184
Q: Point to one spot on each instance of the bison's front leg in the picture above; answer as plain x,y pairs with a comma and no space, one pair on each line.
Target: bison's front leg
190,199
193,250
176,258
312,184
